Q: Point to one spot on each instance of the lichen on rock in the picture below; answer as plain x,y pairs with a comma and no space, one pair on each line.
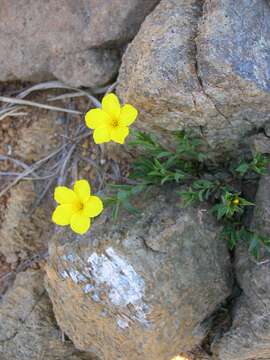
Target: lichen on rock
143,287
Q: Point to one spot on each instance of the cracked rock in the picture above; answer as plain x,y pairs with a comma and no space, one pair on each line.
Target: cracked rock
249,336
141,288
27,326
202,65
78,42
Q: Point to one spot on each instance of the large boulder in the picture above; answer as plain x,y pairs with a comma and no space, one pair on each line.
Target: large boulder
249,336
141,288
78,42
27,326
204,66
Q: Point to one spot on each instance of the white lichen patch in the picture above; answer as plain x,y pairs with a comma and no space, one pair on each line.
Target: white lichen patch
69,257
76,276
122,323
124,286
112,275
88,288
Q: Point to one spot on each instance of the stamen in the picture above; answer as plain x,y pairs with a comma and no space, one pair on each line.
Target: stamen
114,123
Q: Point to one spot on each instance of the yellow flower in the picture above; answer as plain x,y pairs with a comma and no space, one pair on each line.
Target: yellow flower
76,206
111,121
236,201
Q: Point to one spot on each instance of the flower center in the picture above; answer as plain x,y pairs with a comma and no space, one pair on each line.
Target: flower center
114,122
79,205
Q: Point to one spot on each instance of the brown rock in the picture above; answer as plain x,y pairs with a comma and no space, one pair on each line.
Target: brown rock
41,138
21,235
201,67
139,289
78,42
27,326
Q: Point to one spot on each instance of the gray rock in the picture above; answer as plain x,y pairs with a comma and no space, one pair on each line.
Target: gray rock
233,65
204,67
260,144
78,42
249,336
142,288
267,129
27,326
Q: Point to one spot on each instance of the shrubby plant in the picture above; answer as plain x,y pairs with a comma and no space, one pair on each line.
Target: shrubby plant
204,179
187,164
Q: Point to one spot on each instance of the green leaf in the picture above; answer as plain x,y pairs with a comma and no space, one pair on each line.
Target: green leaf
254,247
242,168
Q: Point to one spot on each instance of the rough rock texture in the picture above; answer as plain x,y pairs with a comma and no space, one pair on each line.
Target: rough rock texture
260,143
140,289
27,326
249,336
201,65
78,42
41,137
20,232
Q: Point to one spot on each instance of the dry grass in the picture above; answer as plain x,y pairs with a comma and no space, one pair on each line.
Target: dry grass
62,164
60,159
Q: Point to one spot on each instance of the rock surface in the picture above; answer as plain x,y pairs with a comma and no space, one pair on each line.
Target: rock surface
77,42
142,288
27,326
20,232
41,137
201,65
260,143
249,336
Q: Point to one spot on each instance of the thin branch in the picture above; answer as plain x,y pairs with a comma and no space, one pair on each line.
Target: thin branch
42,106
57,85
34,167
42,195
62,176
66,96
111,87
16,162
32,178
11,111
42,86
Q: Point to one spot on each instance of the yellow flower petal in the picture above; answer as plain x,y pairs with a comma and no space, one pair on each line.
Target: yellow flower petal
64,195
96,118
82,190
128,115
101,135
93,207
62,214
111,105
119,134
80,223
